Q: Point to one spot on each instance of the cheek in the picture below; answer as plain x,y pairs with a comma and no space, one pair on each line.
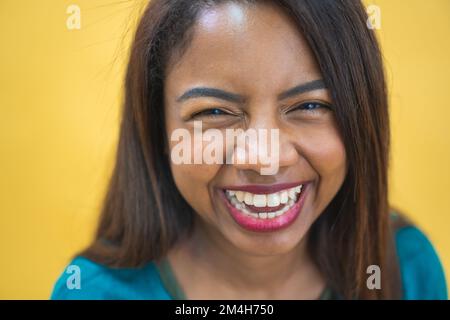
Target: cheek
325,153
328,156
193,181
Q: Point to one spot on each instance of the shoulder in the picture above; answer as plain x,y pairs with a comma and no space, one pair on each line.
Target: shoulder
421,270
86,279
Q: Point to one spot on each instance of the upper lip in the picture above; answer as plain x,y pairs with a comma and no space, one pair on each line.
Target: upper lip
264,188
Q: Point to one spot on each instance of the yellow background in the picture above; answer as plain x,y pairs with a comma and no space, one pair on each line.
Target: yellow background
60,91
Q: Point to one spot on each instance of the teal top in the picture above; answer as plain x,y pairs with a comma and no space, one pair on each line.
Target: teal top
421,271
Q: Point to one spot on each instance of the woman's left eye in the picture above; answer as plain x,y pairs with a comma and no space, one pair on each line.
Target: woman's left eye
216,112
309,106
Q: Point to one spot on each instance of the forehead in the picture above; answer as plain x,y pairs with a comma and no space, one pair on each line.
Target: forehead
246,48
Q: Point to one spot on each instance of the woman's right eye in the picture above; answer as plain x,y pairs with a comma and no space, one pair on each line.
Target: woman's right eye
211,113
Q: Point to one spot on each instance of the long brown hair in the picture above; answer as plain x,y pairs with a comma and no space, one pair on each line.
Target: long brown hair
144,214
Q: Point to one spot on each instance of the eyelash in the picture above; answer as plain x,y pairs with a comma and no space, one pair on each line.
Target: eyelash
209,113
306,106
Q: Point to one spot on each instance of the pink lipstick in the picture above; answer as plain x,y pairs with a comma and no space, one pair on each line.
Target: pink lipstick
265,208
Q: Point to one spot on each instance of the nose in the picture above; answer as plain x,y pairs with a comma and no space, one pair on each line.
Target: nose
269,146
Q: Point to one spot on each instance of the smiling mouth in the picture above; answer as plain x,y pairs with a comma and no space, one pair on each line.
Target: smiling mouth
264,205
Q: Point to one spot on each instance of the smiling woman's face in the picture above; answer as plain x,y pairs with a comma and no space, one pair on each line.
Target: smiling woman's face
256,53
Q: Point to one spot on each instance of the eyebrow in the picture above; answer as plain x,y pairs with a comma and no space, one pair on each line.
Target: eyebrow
237,98
302,88
211,92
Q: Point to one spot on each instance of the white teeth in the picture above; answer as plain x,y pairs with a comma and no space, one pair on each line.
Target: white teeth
284,197
259,200
248,199
241,199
240,196
292,194
273,200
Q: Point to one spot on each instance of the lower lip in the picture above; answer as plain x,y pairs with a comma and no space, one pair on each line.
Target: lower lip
269,224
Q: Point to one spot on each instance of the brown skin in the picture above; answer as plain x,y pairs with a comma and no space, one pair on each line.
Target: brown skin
255,51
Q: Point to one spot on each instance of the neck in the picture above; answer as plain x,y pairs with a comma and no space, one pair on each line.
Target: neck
208,252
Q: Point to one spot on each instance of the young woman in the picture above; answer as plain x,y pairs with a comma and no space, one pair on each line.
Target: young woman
319,227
